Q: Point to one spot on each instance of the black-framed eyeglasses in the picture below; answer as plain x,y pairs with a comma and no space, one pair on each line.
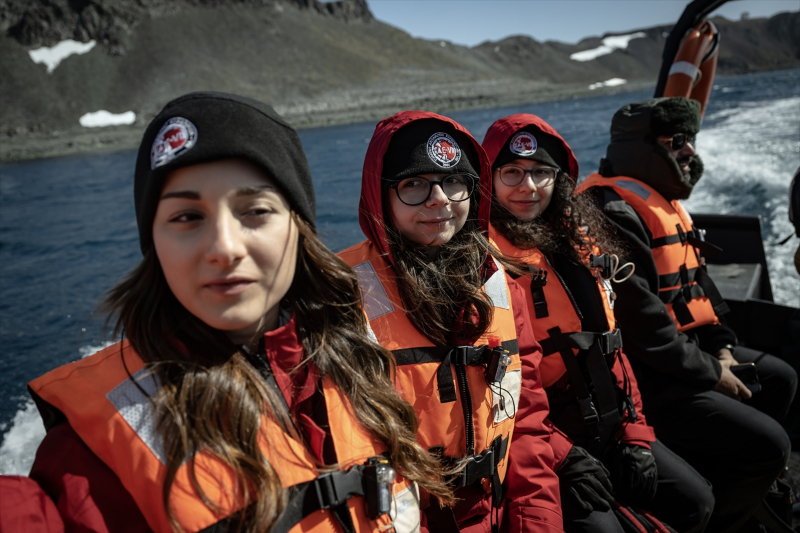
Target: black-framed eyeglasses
512,175
417,189
678,141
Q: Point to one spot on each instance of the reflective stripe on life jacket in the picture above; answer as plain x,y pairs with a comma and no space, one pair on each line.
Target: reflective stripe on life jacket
692,72
459,413
106,400
689,294
556,323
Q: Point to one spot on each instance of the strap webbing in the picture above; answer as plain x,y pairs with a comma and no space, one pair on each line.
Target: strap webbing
448,355
609,341
538,281
328,491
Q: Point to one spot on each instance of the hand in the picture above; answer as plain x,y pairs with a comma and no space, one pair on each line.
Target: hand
725,358
634,473
585,481
731,386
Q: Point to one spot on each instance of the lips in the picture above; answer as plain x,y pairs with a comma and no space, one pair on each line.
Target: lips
435,221
228,286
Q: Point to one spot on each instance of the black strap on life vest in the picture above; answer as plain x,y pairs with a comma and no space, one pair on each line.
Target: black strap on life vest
448,355
475,468
695,237
538,281
599,423
680,296
609,342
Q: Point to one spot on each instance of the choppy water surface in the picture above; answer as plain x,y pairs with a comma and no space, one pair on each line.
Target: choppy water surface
68,230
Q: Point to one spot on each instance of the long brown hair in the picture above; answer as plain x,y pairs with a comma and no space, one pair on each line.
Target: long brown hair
443,296
212,399
570,225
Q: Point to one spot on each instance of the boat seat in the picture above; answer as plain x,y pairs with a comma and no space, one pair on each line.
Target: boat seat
737,281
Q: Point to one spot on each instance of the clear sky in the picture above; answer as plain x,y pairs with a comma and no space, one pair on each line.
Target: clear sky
471,22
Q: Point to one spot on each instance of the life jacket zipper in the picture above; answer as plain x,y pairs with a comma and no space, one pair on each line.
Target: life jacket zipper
466,405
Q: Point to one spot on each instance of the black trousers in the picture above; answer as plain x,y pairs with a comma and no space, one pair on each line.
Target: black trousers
740,447
684,500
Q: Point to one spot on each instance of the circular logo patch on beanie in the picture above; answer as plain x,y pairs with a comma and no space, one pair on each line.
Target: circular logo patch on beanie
175,137
444,150
523,143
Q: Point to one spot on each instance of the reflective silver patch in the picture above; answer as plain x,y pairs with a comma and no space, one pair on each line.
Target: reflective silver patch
137,409
635,188
496,289
376,301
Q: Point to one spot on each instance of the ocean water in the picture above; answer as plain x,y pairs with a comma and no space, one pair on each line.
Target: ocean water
68,230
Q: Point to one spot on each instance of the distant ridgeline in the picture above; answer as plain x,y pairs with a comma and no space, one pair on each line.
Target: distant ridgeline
69,65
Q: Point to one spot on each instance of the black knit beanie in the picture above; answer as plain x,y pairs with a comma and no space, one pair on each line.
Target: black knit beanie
532,143
207,126
428,146
635,152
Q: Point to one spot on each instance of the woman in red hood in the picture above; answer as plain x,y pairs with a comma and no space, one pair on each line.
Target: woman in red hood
593,394
456,323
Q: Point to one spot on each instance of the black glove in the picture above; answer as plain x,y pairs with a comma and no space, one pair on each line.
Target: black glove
634,473
584,480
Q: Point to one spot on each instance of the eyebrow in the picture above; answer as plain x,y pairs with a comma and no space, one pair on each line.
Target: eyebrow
250,191
189,195
244,191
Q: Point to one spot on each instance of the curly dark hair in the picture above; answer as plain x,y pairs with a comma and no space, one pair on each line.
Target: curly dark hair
570,225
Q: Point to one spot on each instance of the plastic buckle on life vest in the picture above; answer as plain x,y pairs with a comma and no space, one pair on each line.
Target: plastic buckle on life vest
603,262
335,488
477,467
610,341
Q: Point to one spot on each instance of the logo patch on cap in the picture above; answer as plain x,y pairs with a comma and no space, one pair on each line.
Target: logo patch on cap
443,150
523,143
175,137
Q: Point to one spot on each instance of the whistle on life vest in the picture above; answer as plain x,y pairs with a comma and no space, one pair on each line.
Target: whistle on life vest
378,477
498,361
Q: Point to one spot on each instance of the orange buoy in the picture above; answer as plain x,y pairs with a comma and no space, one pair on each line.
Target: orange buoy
692,72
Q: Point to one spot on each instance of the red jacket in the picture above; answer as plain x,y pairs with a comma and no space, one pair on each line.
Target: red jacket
536,448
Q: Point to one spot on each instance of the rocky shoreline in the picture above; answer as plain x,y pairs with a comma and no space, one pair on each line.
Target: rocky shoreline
344,107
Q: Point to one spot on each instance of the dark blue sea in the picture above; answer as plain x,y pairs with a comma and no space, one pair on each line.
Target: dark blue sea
68,231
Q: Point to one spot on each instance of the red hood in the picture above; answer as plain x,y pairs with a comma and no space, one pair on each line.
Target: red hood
502,129
370,214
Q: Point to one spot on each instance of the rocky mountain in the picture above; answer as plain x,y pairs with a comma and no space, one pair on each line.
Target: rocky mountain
316,62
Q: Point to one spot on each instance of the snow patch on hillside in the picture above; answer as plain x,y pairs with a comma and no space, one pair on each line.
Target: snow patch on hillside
102,118
58,53
613,82
615,42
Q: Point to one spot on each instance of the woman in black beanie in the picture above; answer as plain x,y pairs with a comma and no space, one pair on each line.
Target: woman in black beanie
247,393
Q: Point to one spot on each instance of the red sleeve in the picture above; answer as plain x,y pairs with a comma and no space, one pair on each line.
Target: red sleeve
534,504
637,431
24,506
89,496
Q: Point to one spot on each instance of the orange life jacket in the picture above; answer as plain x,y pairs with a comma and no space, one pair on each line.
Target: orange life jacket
116,420
557,327
459,413
690,296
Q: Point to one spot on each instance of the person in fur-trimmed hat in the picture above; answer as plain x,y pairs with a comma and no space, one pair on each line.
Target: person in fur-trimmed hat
673,315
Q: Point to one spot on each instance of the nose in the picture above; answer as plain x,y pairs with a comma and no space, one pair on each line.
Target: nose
437,197
687,150
226,246
527,183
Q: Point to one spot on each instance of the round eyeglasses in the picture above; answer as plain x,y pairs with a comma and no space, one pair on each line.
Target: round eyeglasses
678,141
512,175
416,190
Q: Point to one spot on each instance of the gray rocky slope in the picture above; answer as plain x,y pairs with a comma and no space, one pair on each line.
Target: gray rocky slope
317,63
